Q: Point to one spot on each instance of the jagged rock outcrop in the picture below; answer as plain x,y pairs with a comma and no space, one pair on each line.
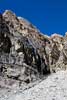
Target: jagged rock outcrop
22,50
25,53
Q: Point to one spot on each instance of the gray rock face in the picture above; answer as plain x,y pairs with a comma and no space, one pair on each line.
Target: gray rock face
21,56
25,53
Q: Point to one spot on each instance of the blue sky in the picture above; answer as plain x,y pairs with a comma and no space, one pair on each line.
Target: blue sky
50,16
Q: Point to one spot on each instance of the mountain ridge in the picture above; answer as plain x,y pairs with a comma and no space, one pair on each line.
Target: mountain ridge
25,53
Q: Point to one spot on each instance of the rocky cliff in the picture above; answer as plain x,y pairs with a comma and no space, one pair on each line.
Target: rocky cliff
25,53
